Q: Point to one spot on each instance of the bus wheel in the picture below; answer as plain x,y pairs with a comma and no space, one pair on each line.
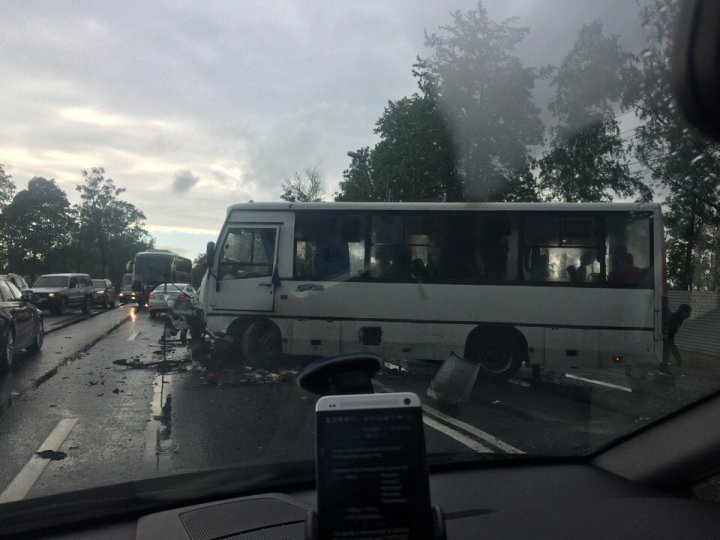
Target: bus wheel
500,357
261,345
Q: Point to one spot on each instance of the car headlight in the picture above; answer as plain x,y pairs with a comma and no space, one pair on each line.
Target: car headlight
51,294
122,294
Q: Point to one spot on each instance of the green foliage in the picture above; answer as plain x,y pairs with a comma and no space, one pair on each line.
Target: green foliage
678,159
485,95
7,187
414,159
38,227
465,136
588,160
111,228
359,183
199,268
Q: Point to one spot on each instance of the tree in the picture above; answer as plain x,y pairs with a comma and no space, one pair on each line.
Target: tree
484,94
7,188
359,183
39,225
588,160
199,268
415,160
306,187
677,158
112,227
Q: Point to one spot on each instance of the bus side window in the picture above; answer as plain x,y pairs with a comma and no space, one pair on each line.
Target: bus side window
329,247
496,248
388,257
628,250
561,249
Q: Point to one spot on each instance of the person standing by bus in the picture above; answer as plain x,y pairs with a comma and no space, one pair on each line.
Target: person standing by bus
674,322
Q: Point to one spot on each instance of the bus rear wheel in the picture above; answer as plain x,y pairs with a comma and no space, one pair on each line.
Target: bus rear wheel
500,357
261,345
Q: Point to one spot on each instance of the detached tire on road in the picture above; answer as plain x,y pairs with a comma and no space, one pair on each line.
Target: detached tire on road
499,354
261,345
8,351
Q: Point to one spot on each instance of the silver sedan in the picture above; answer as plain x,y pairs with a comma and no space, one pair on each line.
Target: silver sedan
164,296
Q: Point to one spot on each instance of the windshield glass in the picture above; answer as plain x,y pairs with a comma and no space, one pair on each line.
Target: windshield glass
499,199
152,268
51,281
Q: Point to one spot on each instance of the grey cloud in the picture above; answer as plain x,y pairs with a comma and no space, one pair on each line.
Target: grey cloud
184,180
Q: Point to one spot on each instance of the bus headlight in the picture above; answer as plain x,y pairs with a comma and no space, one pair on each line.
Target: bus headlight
51,294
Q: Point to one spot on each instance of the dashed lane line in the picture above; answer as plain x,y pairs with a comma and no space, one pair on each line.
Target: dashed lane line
26,478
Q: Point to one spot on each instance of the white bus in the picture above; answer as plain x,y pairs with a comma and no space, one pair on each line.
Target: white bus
558,285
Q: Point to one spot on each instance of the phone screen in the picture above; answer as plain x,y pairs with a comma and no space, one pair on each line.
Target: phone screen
372,474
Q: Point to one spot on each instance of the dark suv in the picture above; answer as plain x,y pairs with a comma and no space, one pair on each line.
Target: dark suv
58,292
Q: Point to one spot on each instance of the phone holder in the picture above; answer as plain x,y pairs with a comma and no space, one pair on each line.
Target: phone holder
349,374
344,374
439,532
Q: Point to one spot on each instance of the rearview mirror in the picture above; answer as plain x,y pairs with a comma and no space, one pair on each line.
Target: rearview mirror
210,253
696,64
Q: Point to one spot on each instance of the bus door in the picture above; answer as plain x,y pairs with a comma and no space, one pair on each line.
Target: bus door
247,258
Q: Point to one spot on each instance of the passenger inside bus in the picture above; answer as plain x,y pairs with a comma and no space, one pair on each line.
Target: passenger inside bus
626,273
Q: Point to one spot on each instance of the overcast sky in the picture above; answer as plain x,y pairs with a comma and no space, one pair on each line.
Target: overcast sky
193,106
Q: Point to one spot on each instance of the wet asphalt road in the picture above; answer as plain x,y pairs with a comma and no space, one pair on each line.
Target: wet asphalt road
120,406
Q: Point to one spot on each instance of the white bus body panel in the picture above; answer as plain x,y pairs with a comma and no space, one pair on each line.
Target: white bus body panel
563,326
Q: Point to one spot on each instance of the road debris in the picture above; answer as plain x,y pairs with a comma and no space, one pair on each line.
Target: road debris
52,455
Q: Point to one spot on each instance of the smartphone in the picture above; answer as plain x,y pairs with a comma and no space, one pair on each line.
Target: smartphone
372,474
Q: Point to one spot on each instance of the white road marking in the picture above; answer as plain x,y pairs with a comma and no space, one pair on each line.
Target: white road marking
459,437
26,478
133,335
479,433
599,383
450,432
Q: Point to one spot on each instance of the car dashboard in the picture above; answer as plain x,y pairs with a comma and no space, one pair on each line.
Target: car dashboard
520,501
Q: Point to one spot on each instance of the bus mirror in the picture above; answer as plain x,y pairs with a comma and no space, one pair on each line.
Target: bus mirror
129,266
210,253
173,271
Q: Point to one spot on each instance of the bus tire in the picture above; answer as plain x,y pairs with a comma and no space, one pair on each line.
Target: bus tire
499,353
261,344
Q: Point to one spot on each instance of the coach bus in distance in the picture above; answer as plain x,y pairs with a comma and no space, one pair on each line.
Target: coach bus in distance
561,285
154,267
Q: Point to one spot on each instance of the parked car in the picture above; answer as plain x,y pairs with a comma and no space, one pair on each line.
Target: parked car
105,293
164,296
127,295
59,292
21,324
17,280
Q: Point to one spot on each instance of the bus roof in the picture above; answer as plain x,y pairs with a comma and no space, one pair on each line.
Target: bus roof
159,252
420,206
